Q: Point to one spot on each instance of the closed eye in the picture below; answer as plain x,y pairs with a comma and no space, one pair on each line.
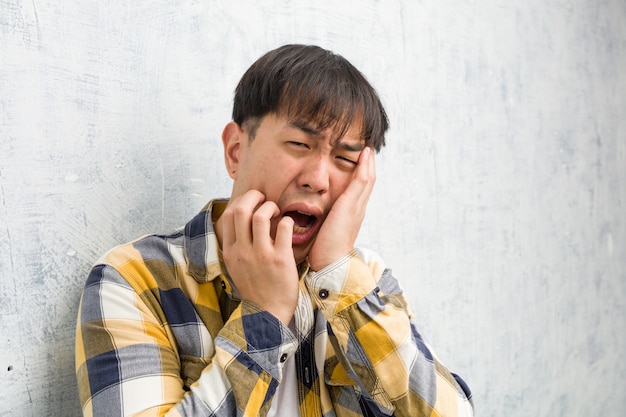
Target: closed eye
298,144
347,161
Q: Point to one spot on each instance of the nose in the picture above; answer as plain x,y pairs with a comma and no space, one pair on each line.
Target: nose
315,175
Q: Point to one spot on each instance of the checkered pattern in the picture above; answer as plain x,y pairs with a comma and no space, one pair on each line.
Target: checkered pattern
160,331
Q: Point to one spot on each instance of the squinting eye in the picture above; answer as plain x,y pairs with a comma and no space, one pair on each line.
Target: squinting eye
298,144
347,161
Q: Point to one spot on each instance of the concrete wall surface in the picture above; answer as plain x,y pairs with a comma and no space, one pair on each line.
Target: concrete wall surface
500,202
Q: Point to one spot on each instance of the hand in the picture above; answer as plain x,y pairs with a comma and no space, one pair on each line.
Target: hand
263,269
340,229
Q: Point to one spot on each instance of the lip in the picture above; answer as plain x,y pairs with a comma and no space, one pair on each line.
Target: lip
306,236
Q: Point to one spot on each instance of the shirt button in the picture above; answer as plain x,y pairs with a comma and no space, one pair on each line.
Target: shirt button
323,294
283,358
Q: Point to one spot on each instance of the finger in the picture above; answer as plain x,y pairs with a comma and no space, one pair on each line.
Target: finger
367,164
262,221
362,183
229,235
284,233
243,209
372,164
371,172
228,228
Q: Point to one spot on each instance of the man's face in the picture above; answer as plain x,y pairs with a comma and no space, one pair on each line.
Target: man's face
301,169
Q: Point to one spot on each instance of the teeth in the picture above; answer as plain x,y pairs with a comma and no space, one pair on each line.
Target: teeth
299,229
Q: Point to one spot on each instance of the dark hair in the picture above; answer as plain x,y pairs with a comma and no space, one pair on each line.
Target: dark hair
310,84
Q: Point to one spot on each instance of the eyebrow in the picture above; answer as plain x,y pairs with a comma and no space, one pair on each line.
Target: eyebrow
358,147
307,129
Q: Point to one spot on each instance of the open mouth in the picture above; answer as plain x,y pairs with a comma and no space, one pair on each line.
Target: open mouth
301,221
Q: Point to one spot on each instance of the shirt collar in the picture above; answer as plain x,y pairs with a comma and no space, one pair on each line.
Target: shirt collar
200,245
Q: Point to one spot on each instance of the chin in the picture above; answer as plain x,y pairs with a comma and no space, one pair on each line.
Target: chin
300,255
299,259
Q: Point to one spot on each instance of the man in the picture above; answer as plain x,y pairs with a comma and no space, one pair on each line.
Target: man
261,305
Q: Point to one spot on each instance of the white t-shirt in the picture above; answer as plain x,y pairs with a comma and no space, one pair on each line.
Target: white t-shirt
285,401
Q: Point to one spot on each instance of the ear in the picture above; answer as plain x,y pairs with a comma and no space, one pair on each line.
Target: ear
232,136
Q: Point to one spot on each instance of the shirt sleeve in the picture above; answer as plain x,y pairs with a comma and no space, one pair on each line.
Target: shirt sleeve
252,347
127,361
377,343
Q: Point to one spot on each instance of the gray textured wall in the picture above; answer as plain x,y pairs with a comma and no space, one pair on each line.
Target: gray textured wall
501,200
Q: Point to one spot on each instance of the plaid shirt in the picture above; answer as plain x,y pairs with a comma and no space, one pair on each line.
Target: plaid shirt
161,331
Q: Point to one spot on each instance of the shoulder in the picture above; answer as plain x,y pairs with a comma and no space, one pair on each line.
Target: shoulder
148,247
144,263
